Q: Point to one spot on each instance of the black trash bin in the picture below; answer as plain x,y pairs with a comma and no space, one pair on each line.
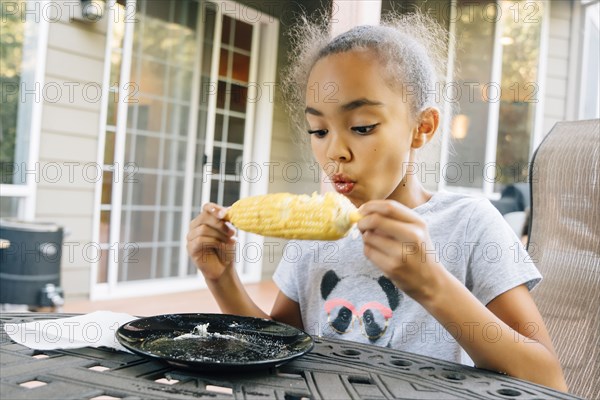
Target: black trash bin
30,266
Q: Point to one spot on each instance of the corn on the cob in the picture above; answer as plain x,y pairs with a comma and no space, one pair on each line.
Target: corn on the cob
285,215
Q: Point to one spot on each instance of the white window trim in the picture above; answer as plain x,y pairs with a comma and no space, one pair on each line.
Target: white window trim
28,191
491,142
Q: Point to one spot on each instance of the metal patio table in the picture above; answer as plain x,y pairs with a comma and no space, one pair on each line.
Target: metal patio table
334,369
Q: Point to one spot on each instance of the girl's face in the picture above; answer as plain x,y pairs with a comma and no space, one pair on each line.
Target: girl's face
361,130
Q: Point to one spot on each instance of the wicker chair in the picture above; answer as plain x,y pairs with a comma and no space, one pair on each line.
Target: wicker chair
564,242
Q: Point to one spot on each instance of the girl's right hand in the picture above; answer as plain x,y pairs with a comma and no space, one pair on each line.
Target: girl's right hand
210,242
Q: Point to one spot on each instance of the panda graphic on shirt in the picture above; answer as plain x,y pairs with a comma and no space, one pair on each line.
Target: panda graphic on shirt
358,308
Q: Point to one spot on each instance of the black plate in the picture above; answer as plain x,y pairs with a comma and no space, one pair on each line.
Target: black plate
230,342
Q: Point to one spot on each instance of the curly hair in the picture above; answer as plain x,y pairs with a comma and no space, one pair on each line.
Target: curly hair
411,48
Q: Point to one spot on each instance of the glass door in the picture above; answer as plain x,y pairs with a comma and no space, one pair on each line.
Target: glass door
179,127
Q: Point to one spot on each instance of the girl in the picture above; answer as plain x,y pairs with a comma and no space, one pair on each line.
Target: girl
438,274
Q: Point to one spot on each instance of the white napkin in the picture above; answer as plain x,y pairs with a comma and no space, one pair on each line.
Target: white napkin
90,330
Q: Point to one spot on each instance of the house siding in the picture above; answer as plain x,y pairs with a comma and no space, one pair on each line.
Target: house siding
557,67
69,138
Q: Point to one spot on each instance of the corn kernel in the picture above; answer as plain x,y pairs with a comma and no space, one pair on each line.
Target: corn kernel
285,215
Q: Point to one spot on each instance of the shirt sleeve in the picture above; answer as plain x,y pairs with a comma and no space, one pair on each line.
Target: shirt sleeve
497,260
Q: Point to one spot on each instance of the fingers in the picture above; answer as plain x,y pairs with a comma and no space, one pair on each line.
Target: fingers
390,232
208,232
392,220
210,222
379,257
390,209
212,214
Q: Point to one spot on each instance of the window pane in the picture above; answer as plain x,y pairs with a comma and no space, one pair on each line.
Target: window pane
214,191
475,39
121,14
115,70
192,270
151,78
143,190
10,169
219,127
137,263
186,14
147,151
231,193
234,162
9,207
179,83
181,155
197,197
16,45
223,63
226,30
111,115
200,158
153,40
235,133
239,95
167,262
172,193
149,115
520,53
221,91
104,226
217,160
102,276
177,120
11,38
107,182
157,11
243,35
109,148
241,67
141,226
170,226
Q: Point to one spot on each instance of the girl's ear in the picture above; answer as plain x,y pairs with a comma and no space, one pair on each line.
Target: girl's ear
427,125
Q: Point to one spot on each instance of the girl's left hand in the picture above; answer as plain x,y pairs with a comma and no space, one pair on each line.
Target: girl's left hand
396,240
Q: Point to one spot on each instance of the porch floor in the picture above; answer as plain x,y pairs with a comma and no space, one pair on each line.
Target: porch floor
197,301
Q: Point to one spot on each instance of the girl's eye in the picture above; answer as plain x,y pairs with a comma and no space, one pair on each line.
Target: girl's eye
363,130
318,132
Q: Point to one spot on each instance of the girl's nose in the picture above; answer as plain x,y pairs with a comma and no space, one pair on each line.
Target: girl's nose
337,148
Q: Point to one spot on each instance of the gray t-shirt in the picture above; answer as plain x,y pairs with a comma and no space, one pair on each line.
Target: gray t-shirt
343,295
